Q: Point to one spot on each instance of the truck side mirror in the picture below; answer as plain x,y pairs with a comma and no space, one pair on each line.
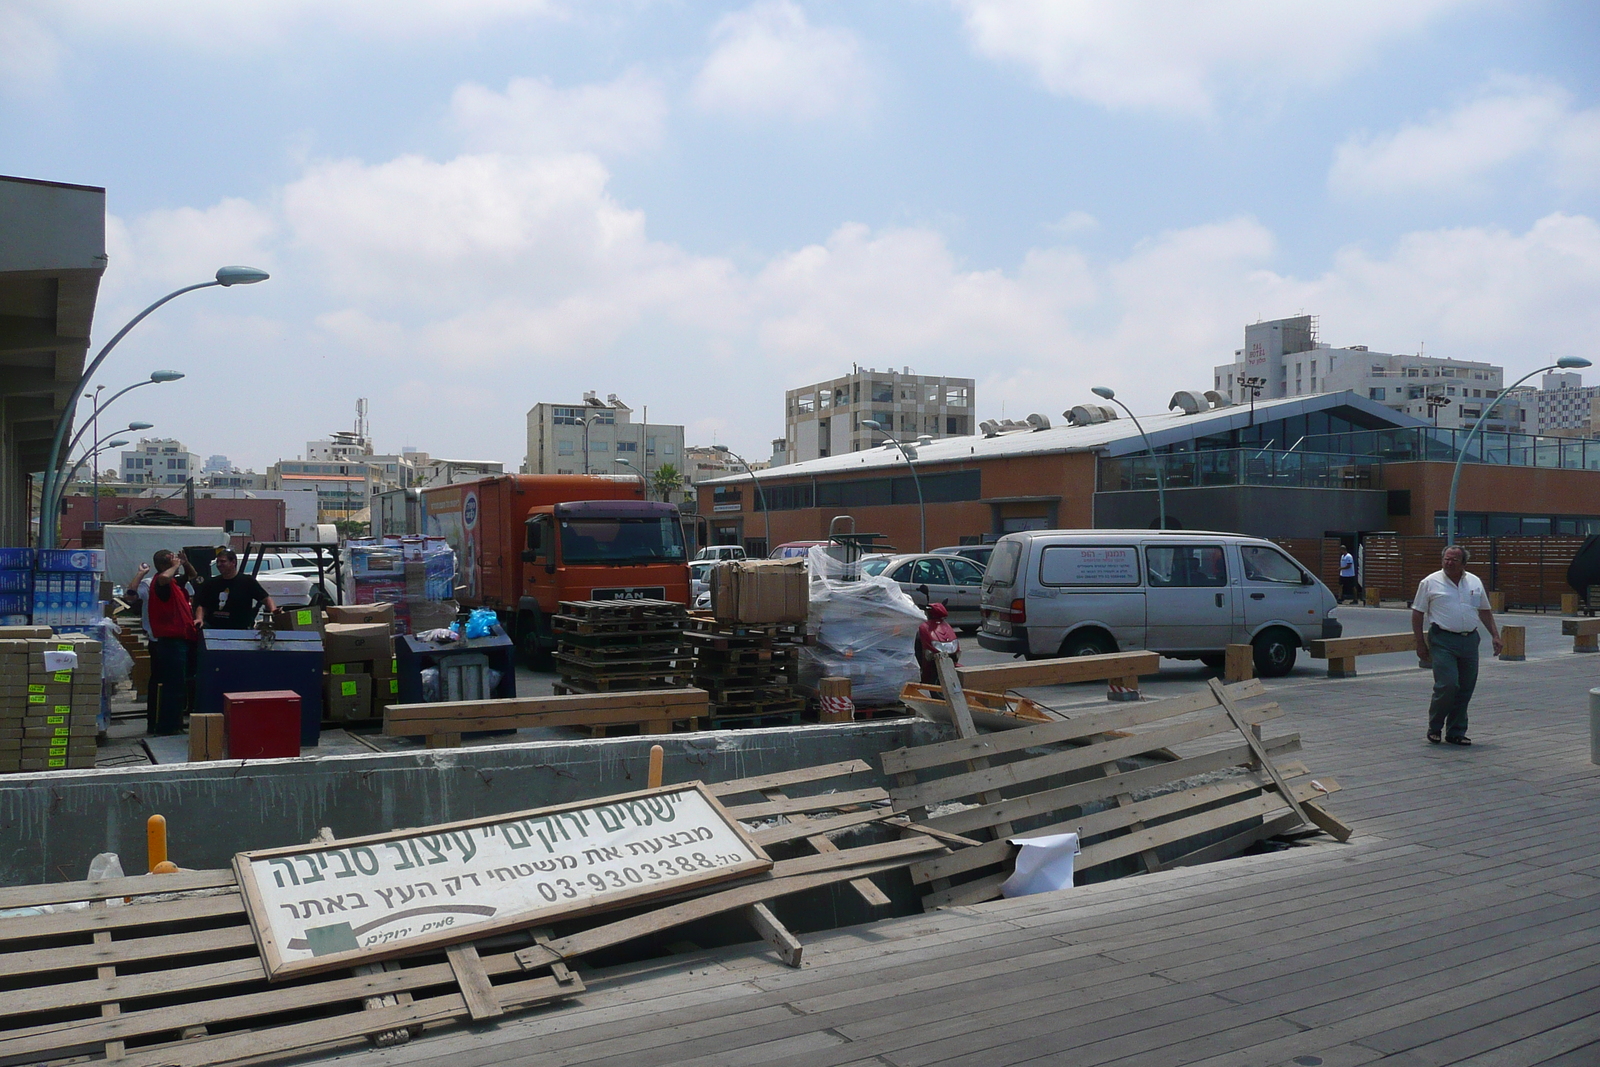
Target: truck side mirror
529,556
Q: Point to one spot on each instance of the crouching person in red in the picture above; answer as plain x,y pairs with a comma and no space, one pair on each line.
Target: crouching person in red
935,635
176,644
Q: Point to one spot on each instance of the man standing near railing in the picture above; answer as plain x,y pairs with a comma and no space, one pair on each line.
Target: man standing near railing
1451,603
1347,576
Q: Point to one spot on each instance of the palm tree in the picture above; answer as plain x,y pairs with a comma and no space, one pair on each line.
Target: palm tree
667,481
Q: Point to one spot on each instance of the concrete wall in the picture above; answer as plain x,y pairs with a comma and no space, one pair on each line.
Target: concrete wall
1260,511
51,825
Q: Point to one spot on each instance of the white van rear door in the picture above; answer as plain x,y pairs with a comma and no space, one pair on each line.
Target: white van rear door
1188,603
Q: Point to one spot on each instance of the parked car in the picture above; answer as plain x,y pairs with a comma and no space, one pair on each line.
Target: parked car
720,552
700,577
927,578
791,549
978,554
1187,594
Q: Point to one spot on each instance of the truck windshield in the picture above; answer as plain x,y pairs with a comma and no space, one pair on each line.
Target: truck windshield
622,540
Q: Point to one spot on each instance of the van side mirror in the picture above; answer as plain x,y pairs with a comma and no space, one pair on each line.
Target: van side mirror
1306,579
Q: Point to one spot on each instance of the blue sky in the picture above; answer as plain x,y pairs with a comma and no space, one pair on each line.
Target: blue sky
469,208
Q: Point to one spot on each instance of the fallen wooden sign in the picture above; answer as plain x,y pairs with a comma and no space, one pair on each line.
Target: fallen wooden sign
320,907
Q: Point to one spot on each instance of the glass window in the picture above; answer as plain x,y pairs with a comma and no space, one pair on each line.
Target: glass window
873,565
929,572
883,393
902,573
1263,564
955,396
563,448
621,540
808,402
599,446
1088,565
1003,564
1186,566
627,446
964,571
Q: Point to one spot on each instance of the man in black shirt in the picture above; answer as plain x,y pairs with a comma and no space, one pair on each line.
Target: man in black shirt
230,600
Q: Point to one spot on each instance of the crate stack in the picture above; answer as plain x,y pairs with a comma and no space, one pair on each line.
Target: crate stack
16,586
359,666
48,702
750,671
605,646
66,589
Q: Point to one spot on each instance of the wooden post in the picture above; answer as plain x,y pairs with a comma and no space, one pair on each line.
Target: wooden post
1514,643
1341,667
1124,688
1585,643
657,755
1374,597
1240,665
1569,603
1497,602
836,703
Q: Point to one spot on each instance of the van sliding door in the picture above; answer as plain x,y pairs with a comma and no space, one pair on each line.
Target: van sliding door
1189,603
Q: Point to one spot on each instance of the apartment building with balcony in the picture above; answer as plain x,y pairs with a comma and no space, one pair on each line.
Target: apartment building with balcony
825,419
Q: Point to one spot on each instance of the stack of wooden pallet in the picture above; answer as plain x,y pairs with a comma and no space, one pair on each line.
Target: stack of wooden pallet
749,670
607,645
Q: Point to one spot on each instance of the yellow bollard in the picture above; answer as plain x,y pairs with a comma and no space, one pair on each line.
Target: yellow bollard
155,836
657,755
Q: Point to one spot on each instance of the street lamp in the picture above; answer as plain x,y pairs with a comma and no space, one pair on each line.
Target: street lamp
94,450
642,483
760,493
1435,401
922,510
1564,363
158,377
1161,481
1253,386
226,276
99,447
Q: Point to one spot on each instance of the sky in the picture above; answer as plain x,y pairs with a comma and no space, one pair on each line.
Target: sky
472,207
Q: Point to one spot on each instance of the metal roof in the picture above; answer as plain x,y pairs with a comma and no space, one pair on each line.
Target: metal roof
1117,437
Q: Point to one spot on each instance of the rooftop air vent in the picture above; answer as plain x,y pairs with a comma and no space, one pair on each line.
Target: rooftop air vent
989,428
1084,415
925,439
1218,400
1038,422
1190,401
1108,411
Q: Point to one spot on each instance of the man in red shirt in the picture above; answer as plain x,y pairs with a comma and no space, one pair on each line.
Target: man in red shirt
172,658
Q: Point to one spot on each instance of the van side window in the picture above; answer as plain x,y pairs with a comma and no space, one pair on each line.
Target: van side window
1263,564
1186,566
1003,564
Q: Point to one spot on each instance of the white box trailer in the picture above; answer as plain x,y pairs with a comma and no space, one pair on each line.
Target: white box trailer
129,546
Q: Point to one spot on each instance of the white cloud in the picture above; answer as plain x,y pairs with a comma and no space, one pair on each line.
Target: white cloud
769,60
1182,57
181,246
1455,152
532,116
29,53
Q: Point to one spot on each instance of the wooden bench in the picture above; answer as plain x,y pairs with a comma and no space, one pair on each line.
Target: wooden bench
1341,652
442,724
1583,633
1120,670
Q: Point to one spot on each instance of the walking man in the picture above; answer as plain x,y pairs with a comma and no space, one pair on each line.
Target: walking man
1451,603
1347,576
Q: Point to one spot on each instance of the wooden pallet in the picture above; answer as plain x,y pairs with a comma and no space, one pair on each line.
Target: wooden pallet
442,724
1175,826
178,981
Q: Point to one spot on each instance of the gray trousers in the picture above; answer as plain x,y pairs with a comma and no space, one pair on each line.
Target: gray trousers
1455,676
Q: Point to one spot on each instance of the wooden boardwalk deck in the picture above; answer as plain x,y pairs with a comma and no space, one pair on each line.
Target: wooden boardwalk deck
1460,926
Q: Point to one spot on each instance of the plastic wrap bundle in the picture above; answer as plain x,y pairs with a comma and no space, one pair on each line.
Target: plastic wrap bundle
415,574
866,631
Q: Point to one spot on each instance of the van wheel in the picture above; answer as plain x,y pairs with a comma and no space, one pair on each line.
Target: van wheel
1275,652
1088,643
535,656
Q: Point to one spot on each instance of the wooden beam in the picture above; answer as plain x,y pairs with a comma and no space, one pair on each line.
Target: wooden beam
1370,645
774,933
999,678
476,990
1254,742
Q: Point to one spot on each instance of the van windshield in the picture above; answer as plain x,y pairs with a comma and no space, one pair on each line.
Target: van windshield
655,539
1003,564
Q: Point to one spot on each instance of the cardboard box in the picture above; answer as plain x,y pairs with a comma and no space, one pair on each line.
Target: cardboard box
297,619
23,633
347,696
344,642
761,591
207,740
361,614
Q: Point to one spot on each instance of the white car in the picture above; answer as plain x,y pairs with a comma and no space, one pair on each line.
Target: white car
700,577
953,581
717,553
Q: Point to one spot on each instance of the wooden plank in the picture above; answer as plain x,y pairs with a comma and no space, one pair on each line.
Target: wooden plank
32,896
521,713
1580,627
793,831
476,990
109,1009
922,757
113,987
1254,742
474,709
863,887
616,933
815,802
1001,677
1232,846
778,779
1369,645
130,916
774,933
69,957
1240,664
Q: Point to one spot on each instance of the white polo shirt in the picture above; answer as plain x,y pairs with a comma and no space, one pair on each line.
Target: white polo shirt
1450,606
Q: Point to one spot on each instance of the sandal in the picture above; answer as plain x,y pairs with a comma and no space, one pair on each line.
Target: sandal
1434,739
1466,741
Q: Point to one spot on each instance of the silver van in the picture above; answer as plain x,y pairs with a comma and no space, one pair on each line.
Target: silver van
1187,594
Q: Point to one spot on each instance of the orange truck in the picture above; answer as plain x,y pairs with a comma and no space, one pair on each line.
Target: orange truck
526,542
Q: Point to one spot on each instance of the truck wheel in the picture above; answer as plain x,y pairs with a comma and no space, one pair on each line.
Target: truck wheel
1088,643
1275,652
530,645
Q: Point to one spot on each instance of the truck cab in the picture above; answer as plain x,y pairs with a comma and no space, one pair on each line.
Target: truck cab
597,550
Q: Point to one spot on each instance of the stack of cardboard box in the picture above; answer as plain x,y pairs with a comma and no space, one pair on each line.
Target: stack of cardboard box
48,702
358,651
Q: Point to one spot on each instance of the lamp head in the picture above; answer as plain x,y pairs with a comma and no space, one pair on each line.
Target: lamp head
1104,391
241,275
872,424
118,443
1572,362
719,448
165,375
135,427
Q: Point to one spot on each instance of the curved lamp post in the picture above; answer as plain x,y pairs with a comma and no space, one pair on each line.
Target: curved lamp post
1564,363
226,276
157,377
1161,480
99,447
644,485
94,450
922,510
760,493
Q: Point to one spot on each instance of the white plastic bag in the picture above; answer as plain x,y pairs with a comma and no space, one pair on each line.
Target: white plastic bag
1044,864
866,631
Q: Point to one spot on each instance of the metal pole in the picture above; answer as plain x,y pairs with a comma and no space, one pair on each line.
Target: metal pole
922,511
97,455
1461,452
761,495
586,444
1161,481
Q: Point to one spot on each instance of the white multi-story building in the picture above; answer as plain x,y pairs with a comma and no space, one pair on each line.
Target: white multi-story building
159,461
1285,358
590,437
229,478
825,419
1563,405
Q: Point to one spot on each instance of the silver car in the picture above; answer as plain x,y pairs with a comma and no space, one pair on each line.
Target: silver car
927,578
